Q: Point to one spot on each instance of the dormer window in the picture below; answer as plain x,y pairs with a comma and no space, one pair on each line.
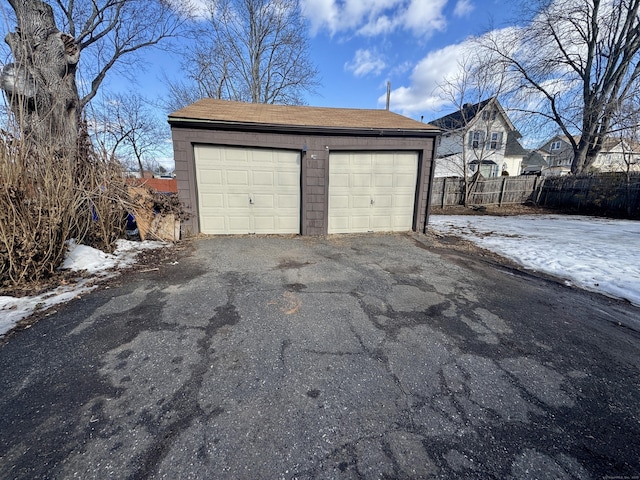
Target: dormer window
556,145
489,114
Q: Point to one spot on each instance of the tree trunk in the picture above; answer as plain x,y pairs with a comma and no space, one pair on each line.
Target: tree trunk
40,84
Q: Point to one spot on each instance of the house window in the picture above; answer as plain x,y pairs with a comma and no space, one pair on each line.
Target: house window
495,140
489,114
476,139
555,145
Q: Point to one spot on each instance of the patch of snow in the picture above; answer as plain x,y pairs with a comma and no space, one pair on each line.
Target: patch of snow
596,254
78,258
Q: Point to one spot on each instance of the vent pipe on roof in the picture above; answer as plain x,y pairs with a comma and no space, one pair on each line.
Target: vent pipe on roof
388,94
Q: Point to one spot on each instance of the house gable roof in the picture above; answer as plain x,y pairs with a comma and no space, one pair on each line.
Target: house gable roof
237,114
464,116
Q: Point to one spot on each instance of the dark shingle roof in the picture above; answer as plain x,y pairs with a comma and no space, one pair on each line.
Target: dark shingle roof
513,147
225,112
461,118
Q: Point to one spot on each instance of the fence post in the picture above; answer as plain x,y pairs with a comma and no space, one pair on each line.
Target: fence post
444,190
504,179
540,186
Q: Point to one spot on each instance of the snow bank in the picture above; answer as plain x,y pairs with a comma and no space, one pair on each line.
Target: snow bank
596,254
79,258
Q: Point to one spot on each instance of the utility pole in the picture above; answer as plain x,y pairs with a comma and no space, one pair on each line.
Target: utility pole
388,94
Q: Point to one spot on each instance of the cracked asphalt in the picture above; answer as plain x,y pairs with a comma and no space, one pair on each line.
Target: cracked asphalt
365,357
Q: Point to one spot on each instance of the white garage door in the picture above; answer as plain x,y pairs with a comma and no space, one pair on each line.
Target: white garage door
372,191
242,190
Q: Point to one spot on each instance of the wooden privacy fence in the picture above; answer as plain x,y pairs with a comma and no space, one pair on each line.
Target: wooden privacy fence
492,191
447,192
606,194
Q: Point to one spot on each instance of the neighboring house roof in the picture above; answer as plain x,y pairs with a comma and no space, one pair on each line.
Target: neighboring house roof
609,144
161,185
535,158
467,113
513,147
238,114
483,162
461,118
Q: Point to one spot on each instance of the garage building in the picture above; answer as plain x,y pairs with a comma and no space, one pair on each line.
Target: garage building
274,169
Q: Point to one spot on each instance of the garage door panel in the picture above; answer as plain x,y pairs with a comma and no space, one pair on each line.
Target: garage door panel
339,202
263,156
261,178
264,224
383,180
360,201
382,222
340,179
360,160
287,222
401,180
261,201
237,177
360,180
211,177
404,160
240,200
232,156
360,223
384,160
289,179
228,178
403,201
213,200
380,194
384,201
288,202
214,223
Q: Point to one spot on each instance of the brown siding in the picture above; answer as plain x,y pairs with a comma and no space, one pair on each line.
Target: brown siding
315,150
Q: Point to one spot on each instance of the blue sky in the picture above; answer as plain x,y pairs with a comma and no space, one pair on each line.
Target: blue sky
359,45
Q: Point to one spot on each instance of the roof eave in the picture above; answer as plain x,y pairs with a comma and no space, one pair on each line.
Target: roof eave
280,128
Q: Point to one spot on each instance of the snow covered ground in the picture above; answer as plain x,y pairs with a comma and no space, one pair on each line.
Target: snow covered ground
79,257
597,254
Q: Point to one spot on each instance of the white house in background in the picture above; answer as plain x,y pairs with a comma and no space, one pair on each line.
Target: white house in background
483,137
617,155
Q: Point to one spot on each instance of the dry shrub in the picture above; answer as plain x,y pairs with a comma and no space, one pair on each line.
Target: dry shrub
46,200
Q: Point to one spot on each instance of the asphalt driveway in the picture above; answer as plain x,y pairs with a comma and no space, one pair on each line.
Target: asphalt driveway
341,357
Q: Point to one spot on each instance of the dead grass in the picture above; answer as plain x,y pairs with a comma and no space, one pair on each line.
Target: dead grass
46,200
506,210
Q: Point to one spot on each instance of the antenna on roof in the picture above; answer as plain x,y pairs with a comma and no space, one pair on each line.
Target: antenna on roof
388,94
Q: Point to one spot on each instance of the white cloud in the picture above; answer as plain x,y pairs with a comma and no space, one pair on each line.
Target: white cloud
421,16
365,62
375,17
422,96
463,8
199,9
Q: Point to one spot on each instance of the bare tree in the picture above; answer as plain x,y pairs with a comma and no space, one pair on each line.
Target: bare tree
41,82
466,137
248,50
574,63
126,128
